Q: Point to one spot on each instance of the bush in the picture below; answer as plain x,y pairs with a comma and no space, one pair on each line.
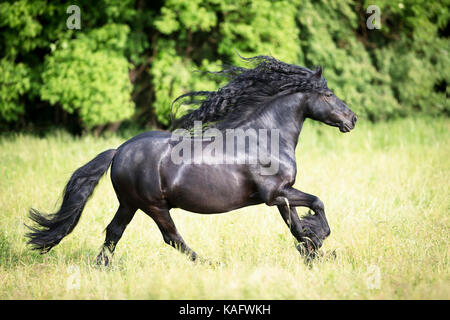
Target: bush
89,75
14,81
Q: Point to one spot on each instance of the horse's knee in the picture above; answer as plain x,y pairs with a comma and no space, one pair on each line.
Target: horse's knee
327,231
317,205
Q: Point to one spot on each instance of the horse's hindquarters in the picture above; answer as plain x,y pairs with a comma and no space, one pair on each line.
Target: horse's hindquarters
135,171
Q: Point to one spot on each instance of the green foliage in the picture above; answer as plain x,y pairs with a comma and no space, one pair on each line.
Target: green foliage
89,74
416,57
172,77
329,40
264,28
135,57
14,81
173,69
18,16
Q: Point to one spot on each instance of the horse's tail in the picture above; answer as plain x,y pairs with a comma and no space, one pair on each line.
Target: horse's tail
53,228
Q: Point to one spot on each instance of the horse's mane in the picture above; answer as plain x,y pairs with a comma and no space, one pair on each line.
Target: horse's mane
246,91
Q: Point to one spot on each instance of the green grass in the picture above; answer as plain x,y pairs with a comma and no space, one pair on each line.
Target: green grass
386,194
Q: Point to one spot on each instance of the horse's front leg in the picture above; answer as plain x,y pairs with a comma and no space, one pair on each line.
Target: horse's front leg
312,229
308,242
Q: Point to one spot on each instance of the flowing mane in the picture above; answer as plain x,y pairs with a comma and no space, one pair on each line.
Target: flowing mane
247,91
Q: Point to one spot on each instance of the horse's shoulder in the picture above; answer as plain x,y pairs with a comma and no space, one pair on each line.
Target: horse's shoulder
288,169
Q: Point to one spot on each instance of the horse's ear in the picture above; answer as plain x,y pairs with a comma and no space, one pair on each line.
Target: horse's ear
318,73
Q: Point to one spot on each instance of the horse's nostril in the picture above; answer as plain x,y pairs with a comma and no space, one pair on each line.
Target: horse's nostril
354,119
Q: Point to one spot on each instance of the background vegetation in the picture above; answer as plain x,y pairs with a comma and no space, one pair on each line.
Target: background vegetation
131,58
385,185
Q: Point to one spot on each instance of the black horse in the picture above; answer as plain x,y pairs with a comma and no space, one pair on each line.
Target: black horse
270,95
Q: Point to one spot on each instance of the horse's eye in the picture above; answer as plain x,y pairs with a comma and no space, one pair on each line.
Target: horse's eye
328,94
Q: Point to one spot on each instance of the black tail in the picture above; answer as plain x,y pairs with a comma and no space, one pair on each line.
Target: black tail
52,229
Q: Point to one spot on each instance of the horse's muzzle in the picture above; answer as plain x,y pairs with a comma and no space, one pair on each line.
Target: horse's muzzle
354,119
347,126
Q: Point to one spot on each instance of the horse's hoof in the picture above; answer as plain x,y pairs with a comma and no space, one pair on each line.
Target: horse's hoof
310,244
217,264
308,253
208,262
306,249
331,255
301,249
102,260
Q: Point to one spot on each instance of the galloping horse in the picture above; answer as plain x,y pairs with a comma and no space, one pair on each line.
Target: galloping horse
271,95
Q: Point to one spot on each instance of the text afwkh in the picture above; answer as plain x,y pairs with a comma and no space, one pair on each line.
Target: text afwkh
226,309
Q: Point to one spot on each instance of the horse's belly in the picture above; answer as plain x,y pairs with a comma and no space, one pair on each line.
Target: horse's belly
210,189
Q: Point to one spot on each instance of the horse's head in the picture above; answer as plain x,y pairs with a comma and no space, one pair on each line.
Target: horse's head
324,106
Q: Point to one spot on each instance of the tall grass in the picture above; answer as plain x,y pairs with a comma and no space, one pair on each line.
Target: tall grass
386,194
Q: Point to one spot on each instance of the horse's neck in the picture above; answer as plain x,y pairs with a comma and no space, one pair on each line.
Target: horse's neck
283,118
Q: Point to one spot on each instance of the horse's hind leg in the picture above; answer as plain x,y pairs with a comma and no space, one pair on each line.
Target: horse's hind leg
114,232
169,231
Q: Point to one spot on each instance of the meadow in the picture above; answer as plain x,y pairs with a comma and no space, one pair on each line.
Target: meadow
385,188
